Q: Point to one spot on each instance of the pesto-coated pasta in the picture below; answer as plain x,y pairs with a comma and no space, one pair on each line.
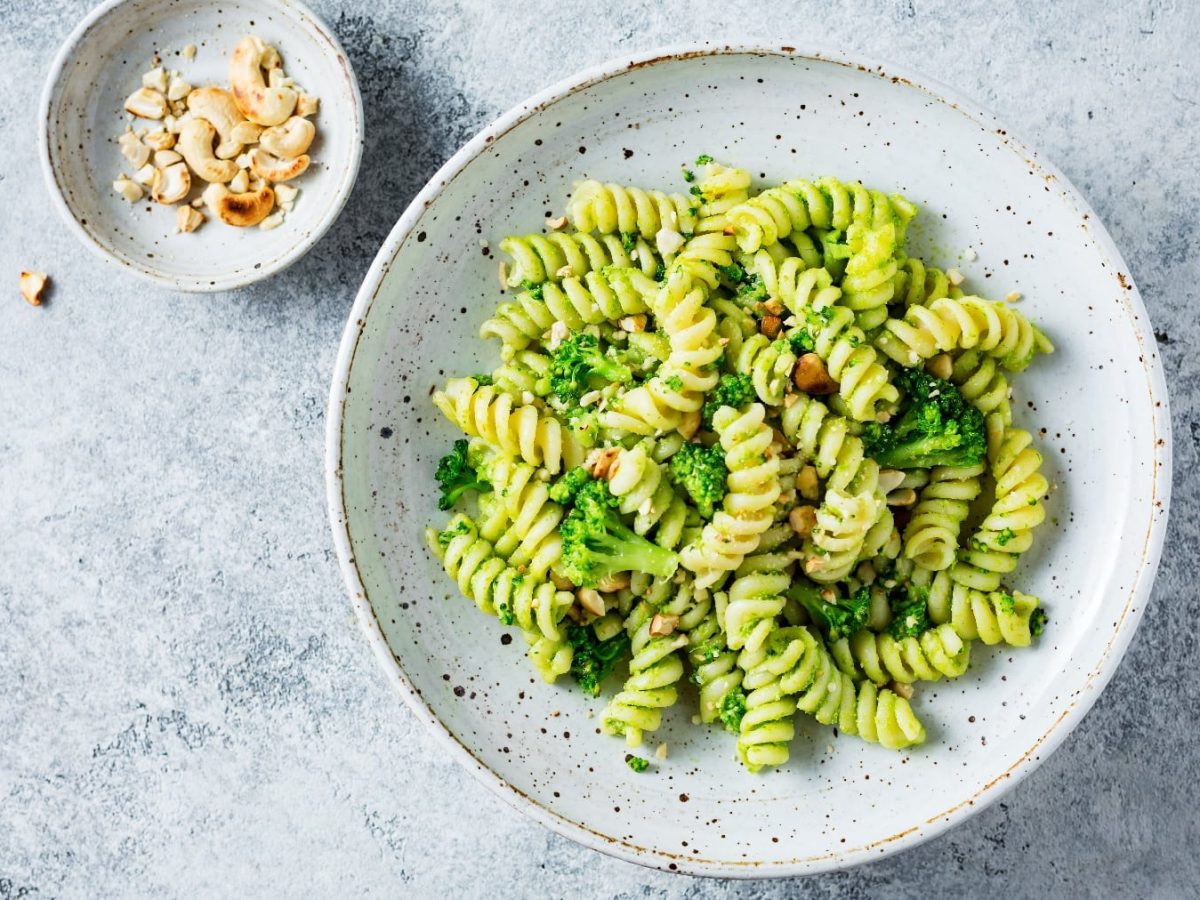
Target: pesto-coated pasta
742,451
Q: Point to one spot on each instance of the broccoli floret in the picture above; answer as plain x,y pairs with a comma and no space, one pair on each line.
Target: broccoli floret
733,707
445,537
1037,622
731,390
910,611
701,471
594,659
483,380
457,474
935,427
534,290
597,544
1003,537
564,490
689,175
660,271
733,272
636,762
837,618
752,291
575,361
629,240
703,159
801,341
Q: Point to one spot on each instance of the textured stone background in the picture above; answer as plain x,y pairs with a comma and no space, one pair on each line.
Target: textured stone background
186,704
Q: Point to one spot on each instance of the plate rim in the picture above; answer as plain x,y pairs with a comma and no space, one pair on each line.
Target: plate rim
1137,597
297,12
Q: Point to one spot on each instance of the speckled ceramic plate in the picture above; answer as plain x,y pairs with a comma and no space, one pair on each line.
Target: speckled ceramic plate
1099,404
82,116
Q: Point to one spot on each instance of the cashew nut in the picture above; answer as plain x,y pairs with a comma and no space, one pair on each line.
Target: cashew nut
240,183
170,185
164,158
271,168
133,149
159,139
32,285
146,103
272,221
188,219
156,78
290,139
218,106
130,190
258,102
241,210
178,89
196,145
307,105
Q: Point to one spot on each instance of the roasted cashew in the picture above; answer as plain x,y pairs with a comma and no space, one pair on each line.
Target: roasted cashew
290,139
258,102
242,210
218,106
270,168
196,145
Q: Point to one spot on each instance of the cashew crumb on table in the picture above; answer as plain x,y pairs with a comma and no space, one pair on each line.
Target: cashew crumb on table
32,285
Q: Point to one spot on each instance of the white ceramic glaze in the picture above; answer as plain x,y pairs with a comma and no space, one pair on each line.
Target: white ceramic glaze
1100,399
82,116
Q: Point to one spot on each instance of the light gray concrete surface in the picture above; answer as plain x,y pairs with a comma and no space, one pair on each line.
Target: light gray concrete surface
186,704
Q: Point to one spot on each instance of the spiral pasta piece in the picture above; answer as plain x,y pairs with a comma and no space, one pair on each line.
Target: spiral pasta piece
524,524
715,671
1007,531
981,383
869,282
836,544
931,536
919,284
604,295
829,443
690,370
755,600
721,189
654,668
524,372
934,654
497,588
644,490
990,326
993,617
612,208
769,365
518,323
753,488
540,440
863,383
541,258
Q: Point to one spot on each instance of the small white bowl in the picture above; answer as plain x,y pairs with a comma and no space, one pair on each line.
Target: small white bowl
82,116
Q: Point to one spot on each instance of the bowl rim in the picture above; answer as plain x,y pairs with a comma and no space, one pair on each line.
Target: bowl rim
1057,731
295,11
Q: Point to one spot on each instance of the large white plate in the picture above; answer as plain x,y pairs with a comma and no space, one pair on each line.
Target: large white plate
1100,402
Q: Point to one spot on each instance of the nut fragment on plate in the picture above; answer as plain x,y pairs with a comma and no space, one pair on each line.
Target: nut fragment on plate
170,185
146,103
32,285
129,189
187,219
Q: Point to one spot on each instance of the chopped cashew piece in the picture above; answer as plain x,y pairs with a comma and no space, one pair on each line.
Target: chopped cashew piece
188,219
618,581
806,483
170,185
668,241
130,190
189,52
601,460
770,326
307,105
556,224
178,89
145,174
258,102
146,103
811,376
196,145
159,139
803,520
590,599
155,79
240,182
662,625
286,193
271,221
32,285
955,277
133,149
164,158
661,751
890,479
271,168
634,324
941,366
900,689
902,497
